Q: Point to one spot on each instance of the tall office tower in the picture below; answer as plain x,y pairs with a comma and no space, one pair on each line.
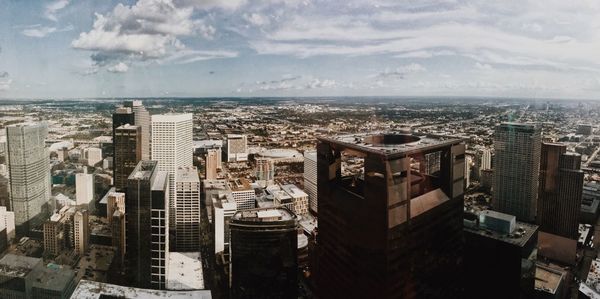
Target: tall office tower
84,188
516,169
265,169
121,116
217,195
468,162
559,202
237,148
7,220
486,159
243,193
117,225
147,225
310,179
29,174
4,194
396,231
172,142
264,261
187,210
93,155
141,118
54,235
212,163
499,248
114,201
81,231
127,153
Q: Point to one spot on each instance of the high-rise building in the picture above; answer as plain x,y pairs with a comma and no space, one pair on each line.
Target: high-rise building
394,230
516,169
211,164
115,201
118,229
142,119
243,193
310,179
172,142
84,188
187,210
237,148
265,169
559,203
29,174
218,196
121,116
264,261
81,231
54,235
486,159
7,220
468,162
299,199
147,224
93,155
127,153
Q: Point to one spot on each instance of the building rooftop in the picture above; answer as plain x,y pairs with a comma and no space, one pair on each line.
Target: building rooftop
187,175
522,234
127,127
17,265
171,117
264,215
208,143
390,145
143,171
240,185
53,277
185,271
215,184
160,180
294,191
94,290
547,279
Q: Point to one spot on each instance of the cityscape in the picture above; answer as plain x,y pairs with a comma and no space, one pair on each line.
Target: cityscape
299,149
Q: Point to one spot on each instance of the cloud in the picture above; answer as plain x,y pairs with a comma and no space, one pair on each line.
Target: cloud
320,83
3,74
5,84
256,19
53,8
483,66
39,31
118,68
400,72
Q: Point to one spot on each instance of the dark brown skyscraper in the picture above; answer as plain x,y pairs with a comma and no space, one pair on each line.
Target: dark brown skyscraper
127,145
560,191
394,228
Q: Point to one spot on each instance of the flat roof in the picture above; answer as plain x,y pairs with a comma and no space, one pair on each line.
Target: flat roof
127,127
53,277
185,271
143,171
294,191
522,234
160,180
215,184
260,214
171,117
547,279
187,174
391,145
240,184
87,289
17,265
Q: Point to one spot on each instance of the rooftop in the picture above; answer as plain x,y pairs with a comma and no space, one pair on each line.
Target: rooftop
240,185
17,265
160,180
127,127
185,271
547,279
520,237
93,290
171,117
390,145
294,191
53,277
215,184
143,171
264,215
187,175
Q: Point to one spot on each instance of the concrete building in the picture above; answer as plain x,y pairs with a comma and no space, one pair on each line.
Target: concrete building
147,216
243,193
118,230
396,231
127,145
201,147
468,164
264,261
516,169
23,277
54,235
93,155
98,290
185,271
486,159
282,199
310,179
187,210
115,202
550,282
237,148
499,248
265,170
81,231
29,174
585,129
7,221
590,203
299,199
172,148
212,163
141,119
84,188
219,198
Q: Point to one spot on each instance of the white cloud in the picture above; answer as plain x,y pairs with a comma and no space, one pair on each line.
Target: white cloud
483,66
118,68
320,83
53,8
257,19
43,31
5,84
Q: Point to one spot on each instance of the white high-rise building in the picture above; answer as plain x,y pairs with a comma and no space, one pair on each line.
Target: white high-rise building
187,210
310,179
7,221
468,162
243,193
265,170
29,173
212,163
81,231
84,188
93,155
486,159
172,147
237,148
142,119
218,195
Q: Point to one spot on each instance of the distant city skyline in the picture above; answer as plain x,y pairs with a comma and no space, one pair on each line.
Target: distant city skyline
246,48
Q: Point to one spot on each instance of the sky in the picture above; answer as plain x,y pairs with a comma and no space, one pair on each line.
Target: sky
245,48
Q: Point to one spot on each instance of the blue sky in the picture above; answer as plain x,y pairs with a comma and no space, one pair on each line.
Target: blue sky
84,48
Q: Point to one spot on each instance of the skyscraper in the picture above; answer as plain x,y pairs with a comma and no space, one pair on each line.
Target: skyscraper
187,210
84,188
147,225
81,231
516,169
264,261
395,229
122,116
265,169
141,118
310,179
54,235
115,201
237,148
212,164
127,153
29,174
486,159
172,147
